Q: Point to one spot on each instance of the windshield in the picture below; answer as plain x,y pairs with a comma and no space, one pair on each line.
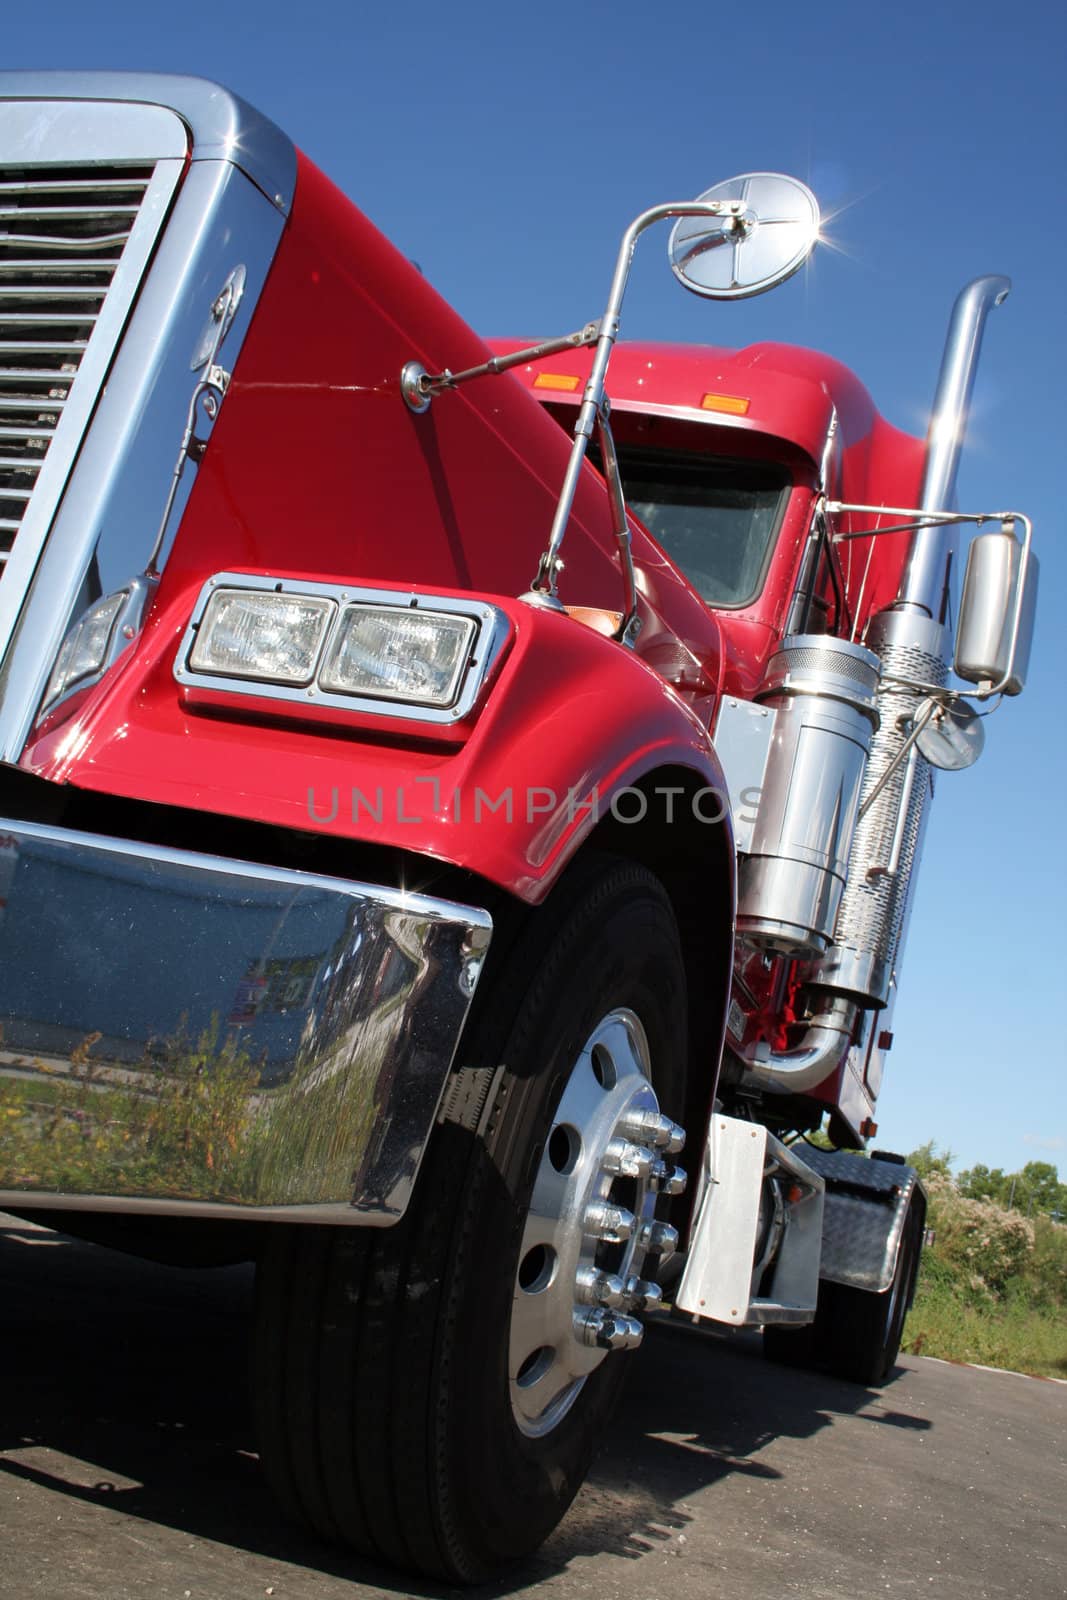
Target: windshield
714,518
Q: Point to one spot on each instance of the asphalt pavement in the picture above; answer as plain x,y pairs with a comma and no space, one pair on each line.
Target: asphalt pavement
128,1468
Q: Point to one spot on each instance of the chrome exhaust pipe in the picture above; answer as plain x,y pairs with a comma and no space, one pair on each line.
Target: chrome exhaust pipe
909,640
924,582
820,1052
858,969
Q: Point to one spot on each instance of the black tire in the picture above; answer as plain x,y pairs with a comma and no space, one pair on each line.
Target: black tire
380,1366
789,1346
866,1328
856,1334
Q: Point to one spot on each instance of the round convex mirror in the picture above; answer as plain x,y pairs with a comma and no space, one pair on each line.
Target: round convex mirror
953,738
731,257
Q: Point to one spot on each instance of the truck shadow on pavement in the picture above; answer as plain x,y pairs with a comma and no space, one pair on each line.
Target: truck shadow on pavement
126,1389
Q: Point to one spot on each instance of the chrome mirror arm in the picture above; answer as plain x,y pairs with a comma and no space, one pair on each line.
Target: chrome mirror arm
630,626
419,386
923,715
925,519
543,589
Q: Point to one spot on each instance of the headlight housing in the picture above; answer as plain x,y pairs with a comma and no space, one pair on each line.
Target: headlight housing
391,653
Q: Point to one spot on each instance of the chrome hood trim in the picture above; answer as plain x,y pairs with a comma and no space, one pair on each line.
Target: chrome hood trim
223,126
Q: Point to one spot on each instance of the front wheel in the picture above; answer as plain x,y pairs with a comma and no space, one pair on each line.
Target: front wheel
432,1394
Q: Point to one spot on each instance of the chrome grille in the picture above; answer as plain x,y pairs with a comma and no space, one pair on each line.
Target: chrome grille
62,234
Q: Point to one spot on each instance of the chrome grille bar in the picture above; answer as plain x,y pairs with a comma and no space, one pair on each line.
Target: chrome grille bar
26,264
49,303
66,185
40,346
67,244
37,291
64,213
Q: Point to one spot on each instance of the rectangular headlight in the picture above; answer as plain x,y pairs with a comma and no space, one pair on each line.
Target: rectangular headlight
385,652
379,652
276,638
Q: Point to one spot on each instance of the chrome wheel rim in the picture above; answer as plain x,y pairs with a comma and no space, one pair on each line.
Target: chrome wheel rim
591,1225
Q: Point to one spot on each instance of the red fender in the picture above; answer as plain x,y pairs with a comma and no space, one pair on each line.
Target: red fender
569,721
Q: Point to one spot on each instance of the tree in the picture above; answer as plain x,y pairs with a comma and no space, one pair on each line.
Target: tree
1038,1188
984,1183
928,1159
1035,1190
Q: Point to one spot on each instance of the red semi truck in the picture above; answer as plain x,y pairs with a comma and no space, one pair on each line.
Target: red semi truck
432,791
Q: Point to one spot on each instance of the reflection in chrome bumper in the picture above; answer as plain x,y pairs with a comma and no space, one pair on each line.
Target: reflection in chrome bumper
187,1034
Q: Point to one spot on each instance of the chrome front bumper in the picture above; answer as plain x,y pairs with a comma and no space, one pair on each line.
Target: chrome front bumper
186,1034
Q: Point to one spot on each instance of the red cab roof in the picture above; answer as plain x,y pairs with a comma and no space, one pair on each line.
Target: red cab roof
777,389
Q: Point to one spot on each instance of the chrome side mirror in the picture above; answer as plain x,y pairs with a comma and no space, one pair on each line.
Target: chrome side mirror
997,607
764,239
951,737
770,224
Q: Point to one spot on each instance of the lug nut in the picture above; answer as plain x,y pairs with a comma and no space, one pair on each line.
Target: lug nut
642,1294
587,1326
611,1224
659,1239
667,1178
620,1333
608,1330
658,1129
593,1288
628,1160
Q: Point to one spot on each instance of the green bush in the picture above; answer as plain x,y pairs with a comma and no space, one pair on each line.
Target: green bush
993,1285
984,1247
1047,1272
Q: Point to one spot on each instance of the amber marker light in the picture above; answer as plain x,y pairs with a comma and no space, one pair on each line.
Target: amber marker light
734,405
557,380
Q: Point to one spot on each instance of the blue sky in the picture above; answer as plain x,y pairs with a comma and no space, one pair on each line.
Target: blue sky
505,148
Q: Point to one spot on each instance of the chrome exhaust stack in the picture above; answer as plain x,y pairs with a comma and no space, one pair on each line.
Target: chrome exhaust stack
908,639
925,580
